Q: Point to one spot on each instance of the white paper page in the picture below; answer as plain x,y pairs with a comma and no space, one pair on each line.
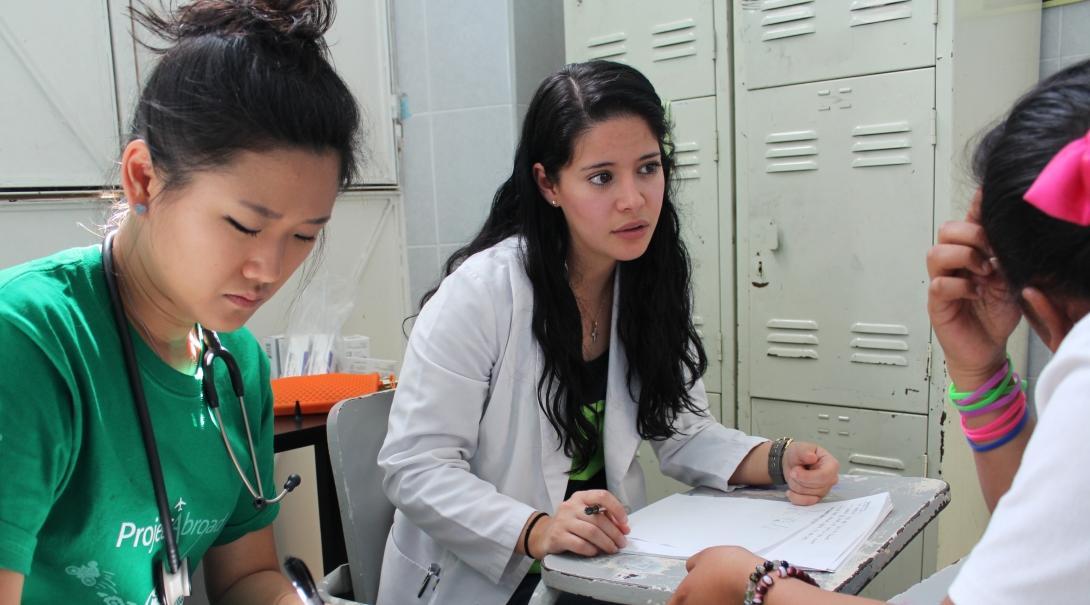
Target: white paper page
816,537
837,532
680,526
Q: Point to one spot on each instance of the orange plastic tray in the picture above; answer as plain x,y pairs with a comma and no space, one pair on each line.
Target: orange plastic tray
317,394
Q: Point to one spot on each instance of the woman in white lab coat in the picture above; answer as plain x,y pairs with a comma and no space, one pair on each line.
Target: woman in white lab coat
560,338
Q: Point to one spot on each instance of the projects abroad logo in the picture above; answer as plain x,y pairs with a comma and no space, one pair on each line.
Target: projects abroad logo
132,535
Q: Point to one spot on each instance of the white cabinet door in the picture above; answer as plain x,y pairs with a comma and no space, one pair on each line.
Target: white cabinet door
837,182
672,43
790,41
58,110
359,44
697,201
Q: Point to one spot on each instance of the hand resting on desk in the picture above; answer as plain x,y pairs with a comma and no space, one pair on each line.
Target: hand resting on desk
811,472
573,530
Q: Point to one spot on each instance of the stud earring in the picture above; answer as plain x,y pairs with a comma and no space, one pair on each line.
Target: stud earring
140,209
555,204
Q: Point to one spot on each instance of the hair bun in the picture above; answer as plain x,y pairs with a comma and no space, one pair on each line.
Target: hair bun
290,22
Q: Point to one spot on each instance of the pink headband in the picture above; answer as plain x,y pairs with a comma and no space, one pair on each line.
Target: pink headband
1062,190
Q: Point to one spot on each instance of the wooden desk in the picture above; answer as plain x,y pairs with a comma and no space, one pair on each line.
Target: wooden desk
309,430
648,580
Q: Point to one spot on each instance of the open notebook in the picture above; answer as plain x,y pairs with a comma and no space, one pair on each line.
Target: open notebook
818,537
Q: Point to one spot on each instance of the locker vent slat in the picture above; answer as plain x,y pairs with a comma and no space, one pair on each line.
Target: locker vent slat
879,343
687,160
607,46
879,360
673,40
792,339
769,5
868,328
872,145
802,334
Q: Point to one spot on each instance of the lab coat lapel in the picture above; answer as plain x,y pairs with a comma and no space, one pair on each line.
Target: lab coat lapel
621,438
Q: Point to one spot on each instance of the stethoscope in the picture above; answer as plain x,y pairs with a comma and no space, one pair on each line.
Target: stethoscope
171,576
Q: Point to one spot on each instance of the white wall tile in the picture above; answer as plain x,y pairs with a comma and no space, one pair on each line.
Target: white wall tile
1075,29
410,31
538,42
473,151
423,271
1069,60
468,54
1049,67
446,250
417,181
1050,33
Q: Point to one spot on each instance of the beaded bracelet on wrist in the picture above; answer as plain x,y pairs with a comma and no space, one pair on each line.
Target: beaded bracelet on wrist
763,577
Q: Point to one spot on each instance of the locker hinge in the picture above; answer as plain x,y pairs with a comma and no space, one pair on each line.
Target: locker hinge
719,347
935,18
925,465
934,127
716,156
927,367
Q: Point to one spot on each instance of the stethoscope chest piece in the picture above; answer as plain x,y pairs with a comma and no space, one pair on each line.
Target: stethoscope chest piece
171,588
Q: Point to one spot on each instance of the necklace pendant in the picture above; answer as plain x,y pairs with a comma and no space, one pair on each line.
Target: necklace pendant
594,331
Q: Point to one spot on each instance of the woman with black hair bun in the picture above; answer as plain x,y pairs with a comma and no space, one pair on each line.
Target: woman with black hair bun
120,473
559,338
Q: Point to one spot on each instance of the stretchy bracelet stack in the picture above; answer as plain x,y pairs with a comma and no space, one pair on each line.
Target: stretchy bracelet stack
775,460
1000,393
764,576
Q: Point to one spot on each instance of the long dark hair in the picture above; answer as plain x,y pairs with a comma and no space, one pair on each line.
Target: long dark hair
654,322
1033,248
242,75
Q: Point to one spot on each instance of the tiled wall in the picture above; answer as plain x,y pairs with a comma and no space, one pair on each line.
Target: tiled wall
457,63
1065,39
1065,36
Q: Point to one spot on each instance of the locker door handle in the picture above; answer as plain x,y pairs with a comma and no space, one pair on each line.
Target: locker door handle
879,461
767,235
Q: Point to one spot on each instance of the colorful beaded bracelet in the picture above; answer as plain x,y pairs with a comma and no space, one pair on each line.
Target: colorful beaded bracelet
761,579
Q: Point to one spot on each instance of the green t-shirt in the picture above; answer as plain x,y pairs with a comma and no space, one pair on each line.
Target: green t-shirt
77,508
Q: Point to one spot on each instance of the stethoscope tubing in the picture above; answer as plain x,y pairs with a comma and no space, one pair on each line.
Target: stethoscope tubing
140,402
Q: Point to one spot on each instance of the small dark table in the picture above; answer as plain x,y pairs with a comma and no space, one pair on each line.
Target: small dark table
291,432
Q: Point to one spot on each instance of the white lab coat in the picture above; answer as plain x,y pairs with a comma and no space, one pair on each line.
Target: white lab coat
469,454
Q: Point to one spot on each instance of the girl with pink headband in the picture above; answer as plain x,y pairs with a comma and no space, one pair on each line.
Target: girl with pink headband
1023,251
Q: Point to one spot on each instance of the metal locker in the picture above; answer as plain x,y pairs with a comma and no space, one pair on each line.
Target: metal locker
792,41
837,181
696,198
59,105
672,43
864,441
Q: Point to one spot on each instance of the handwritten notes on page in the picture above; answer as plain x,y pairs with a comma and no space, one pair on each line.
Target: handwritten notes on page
816,537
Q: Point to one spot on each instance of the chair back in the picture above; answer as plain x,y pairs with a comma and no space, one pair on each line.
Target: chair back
356,429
